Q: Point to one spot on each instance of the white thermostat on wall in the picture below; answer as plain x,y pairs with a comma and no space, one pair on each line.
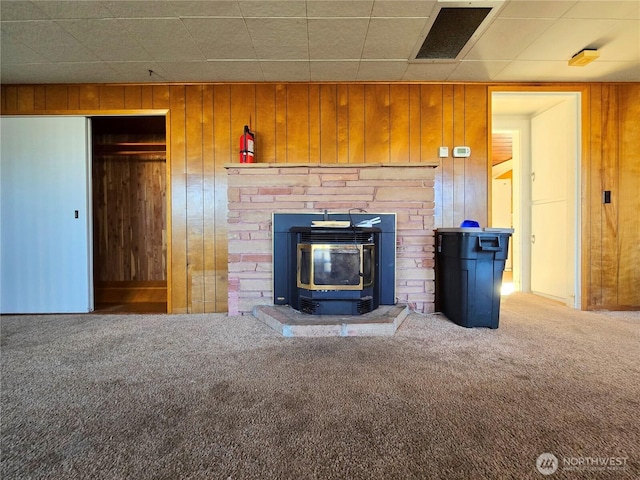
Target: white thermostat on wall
461,152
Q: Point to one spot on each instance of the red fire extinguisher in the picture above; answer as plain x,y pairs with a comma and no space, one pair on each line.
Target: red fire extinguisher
246,146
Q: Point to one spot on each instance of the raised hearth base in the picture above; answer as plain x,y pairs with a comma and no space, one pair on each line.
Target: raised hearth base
383,321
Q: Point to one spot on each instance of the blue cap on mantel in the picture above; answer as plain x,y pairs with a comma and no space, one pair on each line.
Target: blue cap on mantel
469,223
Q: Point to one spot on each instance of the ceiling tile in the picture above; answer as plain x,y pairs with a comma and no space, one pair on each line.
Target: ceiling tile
429,71
74,9
221,38
339,8
337,37
531,39
341,71
165,39
566,37
273,8
13,52
507,38
625,46
375,70
402,8
392,38
48,39
11,10
536,8
289,71
213,71
97,35
477,71
532,70
617,71
97,72
610,9
279,38
207,8
139,71
138,9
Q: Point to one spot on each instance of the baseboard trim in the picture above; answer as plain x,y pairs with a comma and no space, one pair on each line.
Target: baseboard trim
130,292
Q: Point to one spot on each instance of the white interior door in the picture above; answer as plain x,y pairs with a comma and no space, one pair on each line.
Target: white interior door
45,249
553,159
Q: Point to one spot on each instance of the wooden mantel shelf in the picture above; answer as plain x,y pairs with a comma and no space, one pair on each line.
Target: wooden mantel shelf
332,165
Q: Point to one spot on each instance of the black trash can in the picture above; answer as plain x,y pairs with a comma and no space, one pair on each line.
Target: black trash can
469,266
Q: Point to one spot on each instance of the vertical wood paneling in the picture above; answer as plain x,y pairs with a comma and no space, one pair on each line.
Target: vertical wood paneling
39,97
56,97
356,123
73,98
342,97
281,124
610,134
399,127
208,202
89,97
297,123
476,173
333,123
128,215
25,99
146,96
132,97
459,164
179,288
439,129
112,97
314,123
328,124
376,123
613,232
161,96
595,214
222,154
629,199
415,122
243,111
265,124
3,98
195,203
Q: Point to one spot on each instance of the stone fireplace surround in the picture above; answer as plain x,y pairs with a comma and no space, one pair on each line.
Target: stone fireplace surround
257,190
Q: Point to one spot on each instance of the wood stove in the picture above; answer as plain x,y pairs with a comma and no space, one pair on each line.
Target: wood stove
347,270
335,270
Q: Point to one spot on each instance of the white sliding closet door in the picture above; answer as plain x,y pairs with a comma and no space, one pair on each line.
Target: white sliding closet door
45,237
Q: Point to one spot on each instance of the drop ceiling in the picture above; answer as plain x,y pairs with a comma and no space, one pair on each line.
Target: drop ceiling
308,40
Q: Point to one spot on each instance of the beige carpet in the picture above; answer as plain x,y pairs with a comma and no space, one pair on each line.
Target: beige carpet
217,397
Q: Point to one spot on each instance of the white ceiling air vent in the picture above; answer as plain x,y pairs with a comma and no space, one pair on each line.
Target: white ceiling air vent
453,28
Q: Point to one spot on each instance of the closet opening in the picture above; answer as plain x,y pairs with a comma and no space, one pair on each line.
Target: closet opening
129,155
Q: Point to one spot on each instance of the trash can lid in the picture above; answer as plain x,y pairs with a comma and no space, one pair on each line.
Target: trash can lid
474,230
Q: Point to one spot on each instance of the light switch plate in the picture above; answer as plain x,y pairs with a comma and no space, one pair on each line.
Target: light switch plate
444,152
461,152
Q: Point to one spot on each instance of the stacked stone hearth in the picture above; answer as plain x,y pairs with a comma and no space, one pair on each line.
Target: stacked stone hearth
256,191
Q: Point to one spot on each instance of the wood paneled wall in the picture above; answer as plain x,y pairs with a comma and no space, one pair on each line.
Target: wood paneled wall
613,230
349,123
129,211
